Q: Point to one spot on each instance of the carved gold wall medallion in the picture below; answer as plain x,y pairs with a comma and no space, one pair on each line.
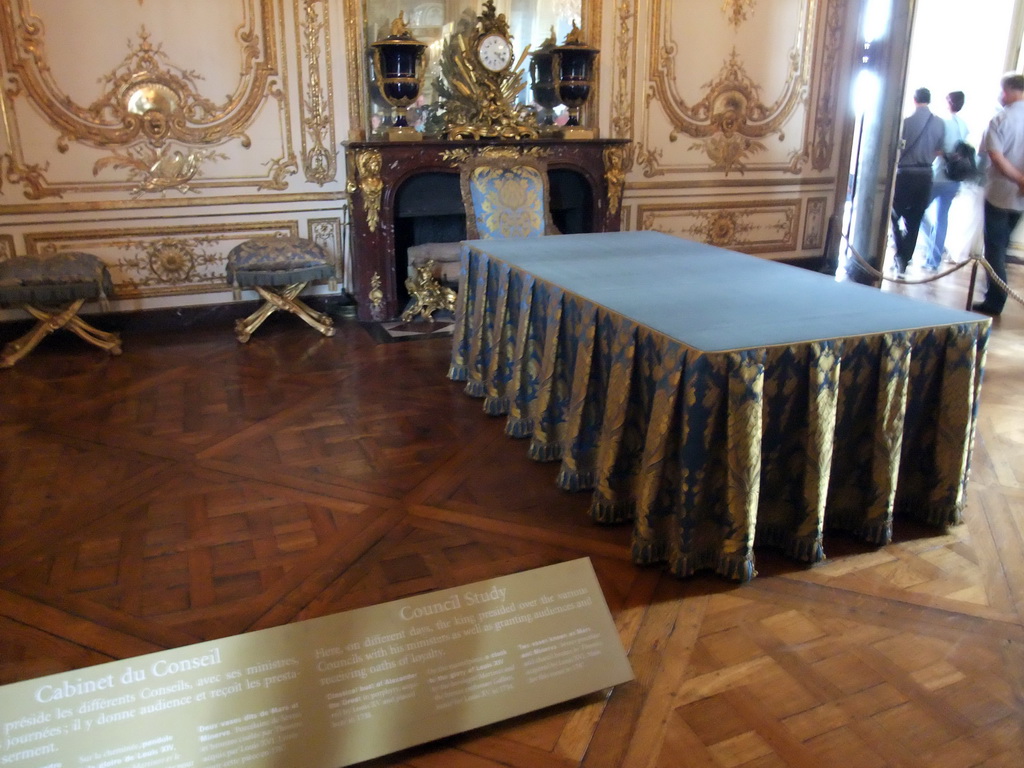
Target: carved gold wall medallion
319,159
720,228
368,167
731,117
170,261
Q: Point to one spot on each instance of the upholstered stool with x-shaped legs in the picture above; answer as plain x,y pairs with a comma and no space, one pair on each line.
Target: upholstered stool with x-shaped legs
279,268
52,289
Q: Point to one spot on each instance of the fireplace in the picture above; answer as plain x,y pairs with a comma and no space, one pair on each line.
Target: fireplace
405,194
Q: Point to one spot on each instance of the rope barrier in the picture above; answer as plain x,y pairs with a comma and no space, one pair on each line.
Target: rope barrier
974,257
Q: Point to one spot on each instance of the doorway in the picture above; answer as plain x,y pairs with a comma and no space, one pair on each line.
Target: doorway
952,48
972,64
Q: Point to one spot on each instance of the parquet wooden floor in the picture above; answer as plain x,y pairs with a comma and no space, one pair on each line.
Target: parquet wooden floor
195,488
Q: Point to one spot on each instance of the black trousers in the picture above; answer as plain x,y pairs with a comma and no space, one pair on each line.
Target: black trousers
999,226
909,202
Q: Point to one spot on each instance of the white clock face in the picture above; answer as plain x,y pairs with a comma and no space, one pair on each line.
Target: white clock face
495,52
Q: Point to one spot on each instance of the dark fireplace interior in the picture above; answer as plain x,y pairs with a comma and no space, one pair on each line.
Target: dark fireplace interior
428,209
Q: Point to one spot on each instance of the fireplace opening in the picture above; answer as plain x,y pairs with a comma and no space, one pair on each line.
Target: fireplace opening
572,201
428,209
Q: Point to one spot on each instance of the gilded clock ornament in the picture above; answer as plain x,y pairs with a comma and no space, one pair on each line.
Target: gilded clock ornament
495,52
479,82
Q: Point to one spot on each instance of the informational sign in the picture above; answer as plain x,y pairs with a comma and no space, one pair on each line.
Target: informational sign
332,691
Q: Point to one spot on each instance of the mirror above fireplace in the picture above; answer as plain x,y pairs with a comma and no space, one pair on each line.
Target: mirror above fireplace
530,23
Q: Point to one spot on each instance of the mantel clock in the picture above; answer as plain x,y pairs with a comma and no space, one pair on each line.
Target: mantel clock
481,79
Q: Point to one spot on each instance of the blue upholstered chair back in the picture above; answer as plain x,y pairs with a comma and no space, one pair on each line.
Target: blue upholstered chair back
506,197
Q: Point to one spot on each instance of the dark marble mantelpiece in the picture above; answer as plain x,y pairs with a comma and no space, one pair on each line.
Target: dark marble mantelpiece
396,186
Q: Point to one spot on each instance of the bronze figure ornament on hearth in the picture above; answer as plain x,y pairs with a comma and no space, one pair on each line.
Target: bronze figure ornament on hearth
427,294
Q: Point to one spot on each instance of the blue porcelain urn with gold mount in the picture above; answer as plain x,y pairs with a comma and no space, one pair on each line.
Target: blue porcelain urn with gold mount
399,64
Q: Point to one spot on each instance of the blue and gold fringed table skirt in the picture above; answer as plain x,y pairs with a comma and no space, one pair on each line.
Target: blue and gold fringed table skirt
717,399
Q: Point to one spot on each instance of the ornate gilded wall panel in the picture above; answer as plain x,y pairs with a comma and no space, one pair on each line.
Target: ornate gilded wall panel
147,100
726,95
722,95
179,116
316,90
144,96
330,234
750,227
815,223
621,64
831,76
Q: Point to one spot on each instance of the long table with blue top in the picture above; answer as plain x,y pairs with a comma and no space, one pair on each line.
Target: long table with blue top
718,400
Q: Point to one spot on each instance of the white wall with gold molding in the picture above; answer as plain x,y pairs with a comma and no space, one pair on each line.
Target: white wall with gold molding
735,109
158,135
737,115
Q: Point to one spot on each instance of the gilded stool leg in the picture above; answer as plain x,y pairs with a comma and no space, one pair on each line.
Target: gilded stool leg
111,342
48,323
286,301
322,322
245,328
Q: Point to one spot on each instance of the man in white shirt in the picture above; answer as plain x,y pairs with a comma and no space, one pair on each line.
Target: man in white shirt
944,189
1003,145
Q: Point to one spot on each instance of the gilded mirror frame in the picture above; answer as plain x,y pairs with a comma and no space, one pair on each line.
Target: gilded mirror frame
356,46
